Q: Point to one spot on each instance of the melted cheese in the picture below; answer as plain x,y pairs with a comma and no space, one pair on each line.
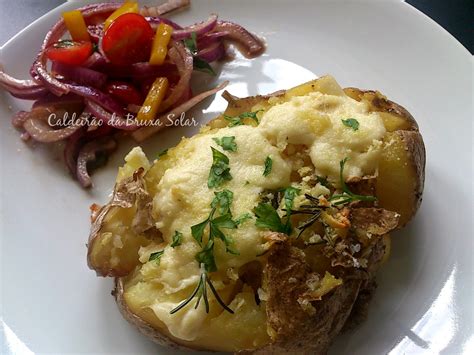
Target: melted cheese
183,198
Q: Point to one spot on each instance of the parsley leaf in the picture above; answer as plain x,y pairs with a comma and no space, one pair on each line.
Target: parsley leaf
177,239
227,143
267,217
198,63
268,166
206,257
191,43
217,233
242,218
161,153
220,170
351,123
237,120
289,196
223,199
156,256
198,230
203,66
224,221
323,180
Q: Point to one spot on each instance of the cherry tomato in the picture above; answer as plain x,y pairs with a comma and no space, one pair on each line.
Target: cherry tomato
70,52
128,40
125,92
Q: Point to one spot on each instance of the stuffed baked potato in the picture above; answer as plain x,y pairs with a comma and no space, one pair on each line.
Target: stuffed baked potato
263,232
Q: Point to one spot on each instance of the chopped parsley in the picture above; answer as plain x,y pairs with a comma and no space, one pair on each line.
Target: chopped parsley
237,120
267,217
161,153
323,180
177,239
156,256
242,218
351,123
220,170
191,43
198,63
203,66
227,143
268,166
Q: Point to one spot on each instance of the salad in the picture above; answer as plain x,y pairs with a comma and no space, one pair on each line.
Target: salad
110,69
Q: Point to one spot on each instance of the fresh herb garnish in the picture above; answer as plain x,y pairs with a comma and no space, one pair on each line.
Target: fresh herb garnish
177,239
351,123
227,143
221,205
323,180
191,43
220,170
156,256
268,166
289,197
242,218
203,66
161,153
198,63
267,217
201,292
347,195
237,120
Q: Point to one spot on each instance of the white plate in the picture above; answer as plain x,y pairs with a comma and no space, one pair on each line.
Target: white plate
52,303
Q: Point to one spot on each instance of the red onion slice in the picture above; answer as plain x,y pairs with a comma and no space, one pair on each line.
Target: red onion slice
198,28
170,5
71,149
97,96
184,61
80,75
95,61
145,132
237,33
210,38
90,153
212,53
42,132
113,120
155,21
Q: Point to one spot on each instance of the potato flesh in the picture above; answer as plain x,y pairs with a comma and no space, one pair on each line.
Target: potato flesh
397,177
117,246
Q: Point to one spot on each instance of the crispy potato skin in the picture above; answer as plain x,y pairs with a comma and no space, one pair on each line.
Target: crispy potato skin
295,330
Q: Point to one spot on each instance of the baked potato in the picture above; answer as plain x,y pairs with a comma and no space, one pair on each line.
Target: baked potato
263,233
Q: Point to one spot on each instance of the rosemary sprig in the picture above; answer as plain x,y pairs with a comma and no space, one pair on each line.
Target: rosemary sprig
201,292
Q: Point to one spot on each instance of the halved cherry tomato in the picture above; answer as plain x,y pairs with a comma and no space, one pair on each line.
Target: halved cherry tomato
125,92
70,52
128,40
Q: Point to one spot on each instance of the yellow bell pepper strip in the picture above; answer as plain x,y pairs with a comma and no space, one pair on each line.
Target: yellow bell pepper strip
76,25
153,100
127,7
160,44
